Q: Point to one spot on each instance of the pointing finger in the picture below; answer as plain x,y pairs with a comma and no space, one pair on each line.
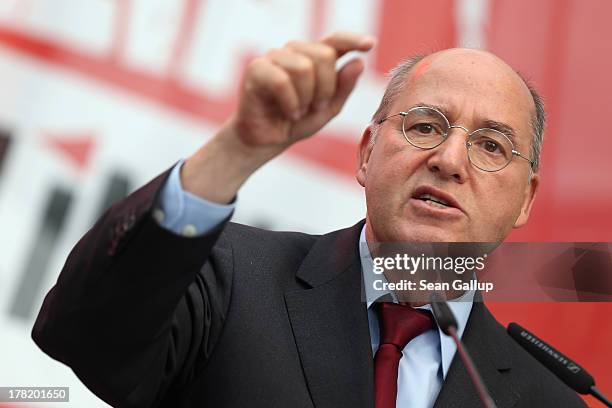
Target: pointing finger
345,41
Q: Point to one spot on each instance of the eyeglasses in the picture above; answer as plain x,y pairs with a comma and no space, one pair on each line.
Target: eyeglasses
427,128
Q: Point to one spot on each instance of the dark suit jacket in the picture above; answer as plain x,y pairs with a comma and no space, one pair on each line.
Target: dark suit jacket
243,317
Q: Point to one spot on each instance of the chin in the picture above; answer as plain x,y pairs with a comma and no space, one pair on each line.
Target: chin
427,233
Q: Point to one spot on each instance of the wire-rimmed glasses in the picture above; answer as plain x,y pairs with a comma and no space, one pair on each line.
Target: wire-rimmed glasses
488,149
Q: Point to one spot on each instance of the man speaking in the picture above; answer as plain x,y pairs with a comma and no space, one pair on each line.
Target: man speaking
164,302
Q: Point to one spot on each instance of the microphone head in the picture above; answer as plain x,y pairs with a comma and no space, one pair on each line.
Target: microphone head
562,366
444,316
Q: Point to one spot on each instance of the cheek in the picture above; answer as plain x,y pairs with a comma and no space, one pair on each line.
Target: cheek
390,168
501,201
384,180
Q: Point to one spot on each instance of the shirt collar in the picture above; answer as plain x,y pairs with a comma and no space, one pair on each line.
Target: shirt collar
461,307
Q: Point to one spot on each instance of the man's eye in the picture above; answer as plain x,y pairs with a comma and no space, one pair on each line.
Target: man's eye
491,146
424,128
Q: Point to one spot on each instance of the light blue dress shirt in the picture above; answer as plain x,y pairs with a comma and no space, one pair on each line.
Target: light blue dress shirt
184,213
425,360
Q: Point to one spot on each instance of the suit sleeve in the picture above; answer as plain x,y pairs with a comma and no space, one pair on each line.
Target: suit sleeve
137,309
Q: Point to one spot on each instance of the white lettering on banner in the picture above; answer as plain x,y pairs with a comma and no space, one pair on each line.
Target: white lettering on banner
249,28
71,23
153,30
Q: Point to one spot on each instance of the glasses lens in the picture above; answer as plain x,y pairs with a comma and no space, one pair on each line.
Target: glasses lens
489,150
425,128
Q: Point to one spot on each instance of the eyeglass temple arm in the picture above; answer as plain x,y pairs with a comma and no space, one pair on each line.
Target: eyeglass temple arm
390,116
517,153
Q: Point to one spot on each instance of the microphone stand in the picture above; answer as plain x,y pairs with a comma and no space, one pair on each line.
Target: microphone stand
481,389
597,394
448,324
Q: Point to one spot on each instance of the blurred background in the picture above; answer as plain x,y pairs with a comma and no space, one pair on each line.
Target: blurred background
99,96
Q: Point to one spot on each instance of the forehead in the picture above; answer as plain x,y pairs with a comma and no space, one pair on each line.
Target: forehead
473,87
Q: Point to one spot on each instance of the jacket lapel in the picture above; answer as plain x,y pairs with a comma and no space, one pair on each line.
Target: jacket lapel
329,322
487,344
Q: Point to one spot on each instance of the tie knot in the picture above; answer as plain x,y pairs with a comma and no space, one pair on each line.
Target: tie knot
399,324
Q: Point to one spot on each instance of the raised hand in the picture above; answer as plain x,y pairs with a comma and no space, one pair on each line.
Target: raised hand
292,92
286,95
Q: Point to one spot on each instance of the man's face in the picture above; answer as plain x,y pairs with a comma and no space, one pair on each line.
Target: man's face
471,87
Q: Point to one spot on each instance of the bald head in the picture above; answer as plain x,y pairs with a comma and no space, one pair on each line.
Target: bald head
471,62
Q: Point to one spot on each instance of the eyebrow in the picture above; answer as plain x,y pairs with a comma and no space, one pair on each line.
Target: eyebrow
487,123
501,127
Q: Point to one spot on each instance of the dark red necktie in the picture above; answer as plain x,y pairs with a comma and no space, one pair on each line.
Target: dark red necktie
398,325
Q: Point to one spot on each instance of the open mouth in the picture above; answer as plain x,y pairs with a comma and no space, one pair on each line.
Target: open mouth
434,201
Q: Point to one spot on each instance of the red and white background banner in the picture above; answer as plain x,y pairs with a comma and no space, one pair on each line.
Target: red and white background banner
99,96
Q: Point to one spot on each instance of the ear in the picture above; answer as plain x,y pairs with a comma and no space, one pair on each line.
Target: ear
365,150
530,194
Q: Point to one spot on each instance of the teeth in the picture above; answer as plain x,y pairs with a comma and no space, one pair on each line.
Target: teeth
435,204
434,201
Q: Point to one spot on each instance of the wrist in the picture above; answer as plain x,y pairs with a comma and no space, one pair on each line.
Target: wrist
220,167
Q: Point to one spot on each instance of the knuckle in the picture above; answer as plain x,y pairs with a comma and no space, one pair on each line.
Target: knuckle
304,66
279,82
256,66
327,54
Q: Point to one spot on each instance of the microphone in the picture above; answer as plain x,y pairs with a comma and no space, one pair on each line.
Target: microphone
562,366
448,324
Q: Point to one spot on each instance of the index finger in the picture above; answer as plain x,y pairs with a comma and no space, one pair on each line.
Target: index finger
345,41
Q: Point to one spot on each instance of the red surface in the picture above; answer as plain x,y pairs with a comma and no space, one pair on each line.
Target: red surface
408,27
75,148
563,46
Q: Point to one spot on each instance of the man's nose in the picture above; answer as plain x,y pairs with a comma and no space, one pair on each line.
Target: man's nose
449,160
